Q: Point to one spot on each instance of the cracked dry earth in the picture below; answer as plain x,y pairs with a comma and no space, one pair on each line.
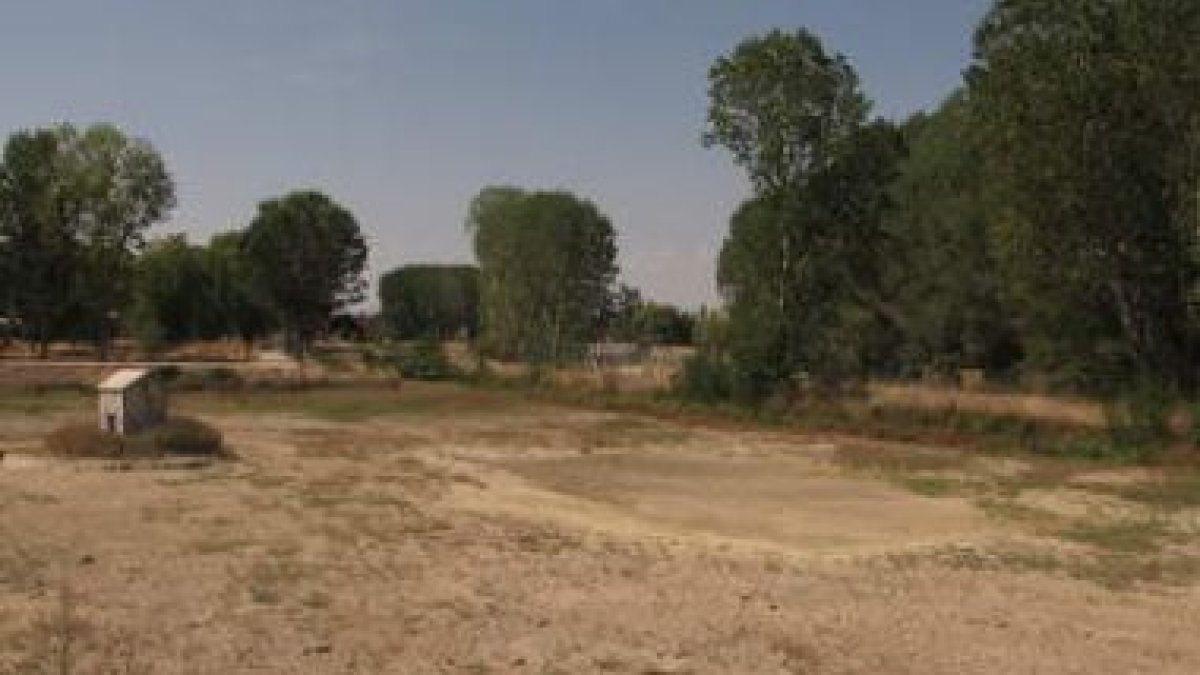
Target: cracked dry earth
438,529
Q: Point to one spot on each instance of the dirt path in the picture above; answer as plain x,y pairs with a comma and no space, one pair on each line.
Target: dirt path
450,531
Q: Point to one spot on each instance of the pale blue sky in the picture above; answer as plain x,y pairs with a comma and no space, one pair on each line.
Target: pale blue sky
402,110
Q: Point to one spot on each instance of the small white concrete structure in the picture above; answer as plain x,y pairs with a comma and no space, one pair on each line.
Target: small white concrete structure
132,400
601,354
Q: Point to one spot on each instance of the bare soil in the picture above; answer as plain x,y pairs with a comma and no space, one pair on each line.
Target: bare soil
437,529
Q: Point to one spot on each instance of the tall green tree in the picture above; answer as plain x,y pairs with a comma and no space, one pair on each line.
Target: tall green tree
800,269
38,236
244,313
547,261
1090,115
436,301
782,105
184,292
631,318
123,189
945,277
307,257
173,295
74,209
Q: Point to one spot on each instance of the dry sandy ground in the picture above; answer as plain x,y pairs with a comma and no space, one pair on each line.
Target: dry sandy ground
438,530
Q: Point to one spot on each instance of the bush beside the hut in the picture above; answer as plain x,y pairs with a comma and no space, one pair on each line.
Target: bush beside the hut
177,436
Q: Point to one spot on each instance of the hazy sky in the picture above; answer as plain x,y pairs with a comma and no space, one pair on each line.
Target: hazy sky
402,110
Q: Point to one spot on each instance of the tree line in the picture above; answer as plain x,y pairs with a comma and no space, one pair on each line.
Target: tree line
76,261
1040,225
545,286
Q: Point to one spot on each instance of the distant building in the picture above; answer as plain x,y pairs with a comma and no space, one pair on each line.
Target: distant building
132,400
602,354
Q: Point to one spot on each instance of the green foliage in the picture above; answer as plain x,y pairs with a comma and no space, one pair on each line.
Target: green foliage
1043,222
801,269
1139,422
945,278
633,319
306,256
782,105
74,209
422,359
430,300
243,311
184,292
38,248
1087,113
705,378
547,261
171,295
802,272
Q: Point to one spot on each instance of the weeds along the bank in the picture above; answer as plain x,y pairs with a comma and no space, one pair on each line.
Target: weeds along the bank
1141,428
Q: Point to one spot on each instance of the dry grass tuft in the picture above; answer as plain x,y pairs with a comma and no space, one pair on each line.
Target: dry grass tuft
893,459
177,436
81,439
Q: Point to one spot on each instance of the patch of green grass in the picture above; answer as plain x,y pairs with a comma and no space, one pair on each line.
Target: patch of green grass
915,470
1110,570
1016,512
264,595
992,433
1120,536
1120,572
1173,493
219,545
1039,473
1009,557
38,401
359,403
933,486
891,460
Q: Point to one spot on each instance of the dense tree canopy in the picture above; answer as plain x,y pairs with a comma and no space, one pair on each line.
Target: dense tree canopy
74,209
439,301
632,318
40,244
800,267
184,292
1043,222
1090,115
547,261
306,255
782,105
243,309
944,276
173,295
